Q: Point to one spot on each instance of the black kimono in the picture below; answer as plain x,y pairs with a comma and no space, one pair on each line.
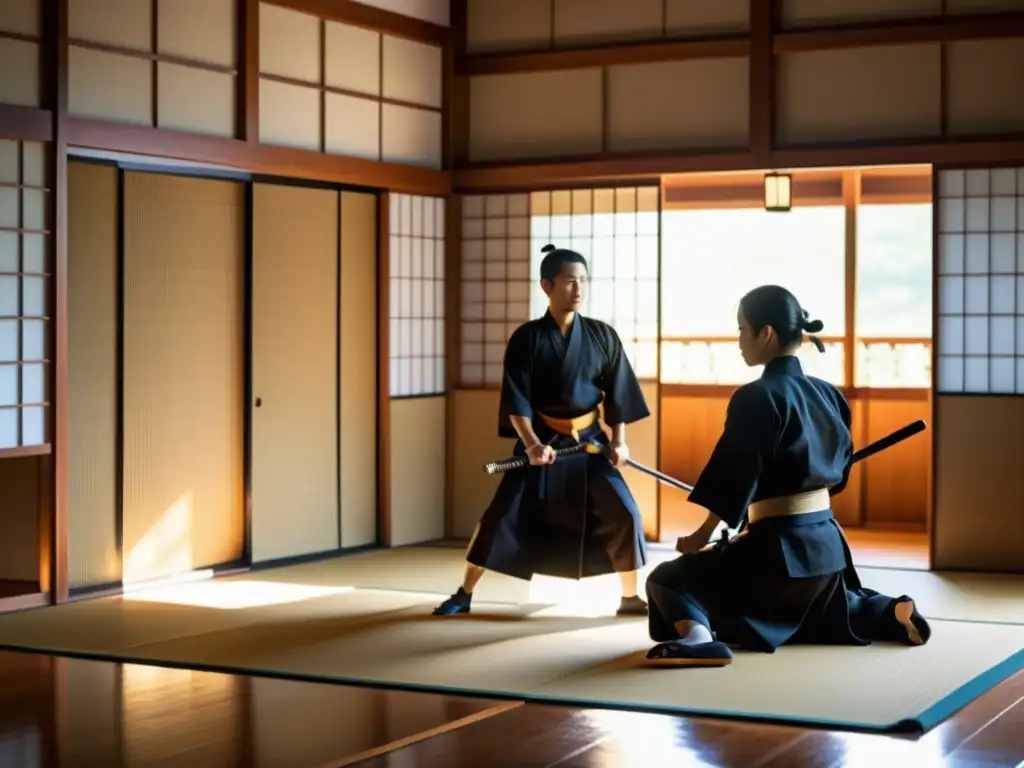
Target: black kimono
576,517
786,579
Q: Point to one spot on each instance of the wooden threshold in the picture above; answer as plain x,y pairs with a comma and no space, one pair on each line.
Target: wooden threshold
25,601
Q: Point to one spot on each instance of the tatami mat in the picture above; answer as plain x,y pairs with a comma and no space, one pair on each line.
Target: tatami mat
438,570
349,620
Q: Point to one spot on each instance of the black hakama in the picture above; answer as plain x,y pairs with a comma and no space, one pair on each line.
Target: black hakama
575,518
787,579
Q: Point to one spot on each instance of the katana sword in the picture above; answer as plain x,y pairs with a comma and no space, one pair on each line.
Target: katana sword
517,462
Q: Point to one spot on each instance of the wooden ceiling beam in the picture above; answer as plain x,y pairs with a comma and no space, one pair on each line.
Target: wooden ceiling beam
926,30
256,158
933,30
651,167
602,56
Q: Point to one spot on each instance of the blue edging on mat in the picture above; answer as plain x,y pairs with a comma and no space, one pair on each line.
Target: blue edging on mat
920,723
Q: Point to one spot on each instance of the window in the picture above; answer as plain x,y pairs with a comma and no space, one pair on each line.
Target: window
495,282
416,305
23,289
894,295
502,237
980,336
617,231
711,258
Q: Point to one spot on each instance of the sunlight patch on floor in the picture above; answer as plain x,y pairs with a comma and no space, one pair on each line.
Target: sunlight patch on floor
232,595
587,598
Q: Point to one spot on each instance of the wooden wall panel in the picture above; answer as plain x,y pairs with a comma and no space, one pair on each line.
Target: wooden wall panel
289,43
543,114
295,503
21,17
475,428
183,379
332,87
20,65
93,406
693,18
351,126
289,115
817,13
196,100
168,64
859,94
417,486
199,30
690,426
120,23
358,391
19,546
594,22
411,72
977,523
410,135
895,484
109,86
432,11
352,58
498,25
981,94
495,26
651,106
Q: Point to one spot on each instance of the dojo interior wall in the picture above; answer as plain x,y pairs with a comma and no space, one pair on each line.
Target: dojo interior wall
158,284
324,86
875,93
979,370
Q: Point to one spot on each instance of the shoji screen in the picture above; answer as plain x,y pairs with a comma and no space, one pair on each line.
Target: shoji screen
979,372
416,275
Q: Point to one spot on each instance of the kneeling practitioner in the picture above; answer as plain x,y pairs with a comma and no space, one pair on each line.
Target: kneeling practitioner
788,577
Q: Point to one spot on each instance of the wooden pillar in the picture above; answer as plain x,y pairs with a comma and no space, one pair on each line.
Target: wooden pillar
53,538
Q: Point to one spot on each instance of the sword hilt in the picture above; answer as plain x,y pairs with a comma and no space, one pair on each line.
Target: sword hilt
518,462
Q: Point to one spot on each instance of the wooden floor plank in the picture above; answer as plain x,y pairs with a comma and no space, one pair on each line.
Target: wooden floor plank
62,713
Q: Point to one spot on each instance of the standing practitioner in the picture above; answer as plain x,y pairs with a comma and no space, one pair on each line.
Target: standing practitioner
788,577
572,517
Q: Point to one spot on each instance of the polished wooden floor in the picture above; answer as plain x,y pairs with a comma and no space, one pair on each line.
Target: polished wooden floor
59,712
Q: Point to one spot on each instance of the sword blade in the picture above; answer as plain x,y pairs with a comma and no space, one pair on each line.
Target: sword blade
661,476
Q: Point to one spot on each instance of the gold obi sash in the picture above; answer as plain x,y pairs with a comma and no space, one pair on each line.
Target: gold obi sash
782,506
571,427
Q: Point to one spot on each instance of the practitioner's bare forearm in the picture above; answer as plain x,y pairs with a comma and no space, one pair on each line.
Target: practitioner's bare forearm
619,433
524,428
709,525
